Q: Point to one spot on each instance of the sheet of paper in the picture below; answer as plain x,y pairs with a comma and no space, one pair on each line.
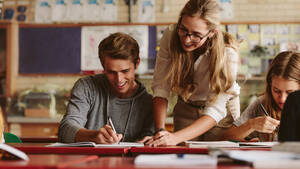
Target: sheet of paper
258,144
109,11
146,10
226,9
206,144
59,11
91,10
74,10
43,11
92,144
121,144
175,161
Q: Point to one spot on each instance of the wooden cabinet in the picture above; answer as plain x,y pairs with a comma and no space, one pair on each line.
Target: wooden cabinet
33,127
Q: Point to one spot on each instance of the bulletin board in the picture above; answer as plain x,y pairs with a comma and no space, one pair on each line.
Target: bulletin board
60,50
49,50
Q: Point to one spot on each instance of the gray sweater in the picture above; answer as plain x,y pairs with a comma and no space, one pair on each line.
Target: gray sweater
91,102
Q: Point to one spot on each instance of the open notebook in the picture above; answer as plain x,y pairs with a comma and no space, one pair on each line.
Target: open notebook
92,144
10,153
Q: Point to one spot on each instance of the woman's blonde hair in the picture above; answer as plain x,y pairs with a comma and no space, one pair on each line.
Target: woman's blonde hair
285,65
182,63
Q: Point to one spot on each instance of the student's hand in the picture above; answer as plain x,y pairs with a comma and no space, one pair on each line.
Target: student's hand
146,139
163,138
106,135
264,124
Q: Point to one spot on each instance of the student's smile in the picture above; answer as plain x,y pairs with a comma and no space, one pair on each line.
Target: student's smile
193,32
120,74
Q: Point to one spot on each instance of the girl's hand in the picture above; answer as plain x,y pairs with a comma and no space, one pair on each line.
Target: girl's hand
264,124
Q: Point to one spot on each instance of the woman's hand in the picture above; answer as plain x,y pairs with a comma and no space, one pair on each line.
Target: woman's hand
163,138
264,124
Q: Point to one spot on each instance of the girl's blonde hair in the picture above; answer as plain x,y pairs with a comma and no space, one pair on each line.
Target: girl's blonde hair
285,65
182,63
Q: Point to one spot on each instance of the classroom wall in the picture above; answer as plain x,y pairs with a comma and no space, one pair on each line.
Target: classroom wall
244,11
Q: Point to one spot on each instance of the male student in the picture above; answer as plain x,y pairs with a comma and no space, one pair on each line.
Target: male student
115,94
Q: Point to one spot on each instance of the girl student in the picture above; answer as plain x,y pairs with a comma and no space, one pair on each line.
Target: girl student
260,119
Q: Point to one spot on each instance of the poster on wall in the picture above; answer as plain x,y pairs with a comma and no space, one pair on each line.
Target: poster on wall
74,10
42,11
100,10
59,11
91,36
226,9
146,10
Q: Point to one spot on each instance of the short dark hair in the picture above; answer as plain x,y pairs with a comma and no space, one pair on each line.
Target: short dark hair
119,46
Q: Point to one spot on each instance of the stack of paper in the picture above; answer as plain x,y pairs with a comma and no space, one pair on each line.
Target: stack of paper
258,144
211,144
92,144
173,160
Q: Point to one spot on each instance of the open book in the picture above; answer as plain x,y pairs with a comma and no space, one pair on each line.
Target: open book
11,153
92,144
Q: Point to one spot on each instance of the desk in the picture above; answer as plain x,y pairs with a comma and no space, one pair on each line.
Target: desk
49,139
167,150
128,163
39,148
47,161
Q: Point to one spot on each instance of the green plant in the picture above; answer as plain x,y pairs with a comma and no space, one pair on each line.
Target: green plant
259,51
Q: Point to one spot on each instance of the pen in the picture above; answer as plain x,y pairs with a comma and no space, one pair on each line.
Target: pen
266,113
111,124
180,155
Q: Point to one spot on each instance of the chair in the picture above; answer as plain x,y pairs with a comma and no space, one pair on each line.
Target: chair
11,138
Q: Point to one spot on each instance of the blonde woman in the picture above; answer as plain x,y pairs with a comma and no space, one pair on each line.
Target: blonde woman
261,118
198,62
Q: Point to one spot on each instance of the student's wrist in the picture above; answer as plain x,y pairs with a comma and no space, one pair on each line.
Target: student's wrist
251,124
159,130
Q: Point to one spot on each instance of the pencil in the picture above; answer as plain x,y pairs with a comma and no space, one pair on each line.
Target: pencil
266,113
111,124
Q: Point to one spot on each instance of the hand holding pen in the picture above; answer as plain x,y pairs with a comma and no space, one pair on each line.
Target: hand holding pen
113,136
264,124
106,134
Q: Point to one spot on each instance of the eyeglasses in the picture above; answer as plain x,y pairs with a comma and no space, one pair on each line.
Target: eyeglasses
194,37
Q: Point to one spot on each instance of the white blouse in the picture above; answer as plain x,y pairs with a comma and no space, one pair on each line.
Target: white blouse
162,88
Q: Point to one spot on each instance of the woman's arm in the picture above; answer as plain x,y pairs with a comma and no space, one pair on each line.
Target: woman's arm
263,124
197,128
160,85
160,106
238,133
